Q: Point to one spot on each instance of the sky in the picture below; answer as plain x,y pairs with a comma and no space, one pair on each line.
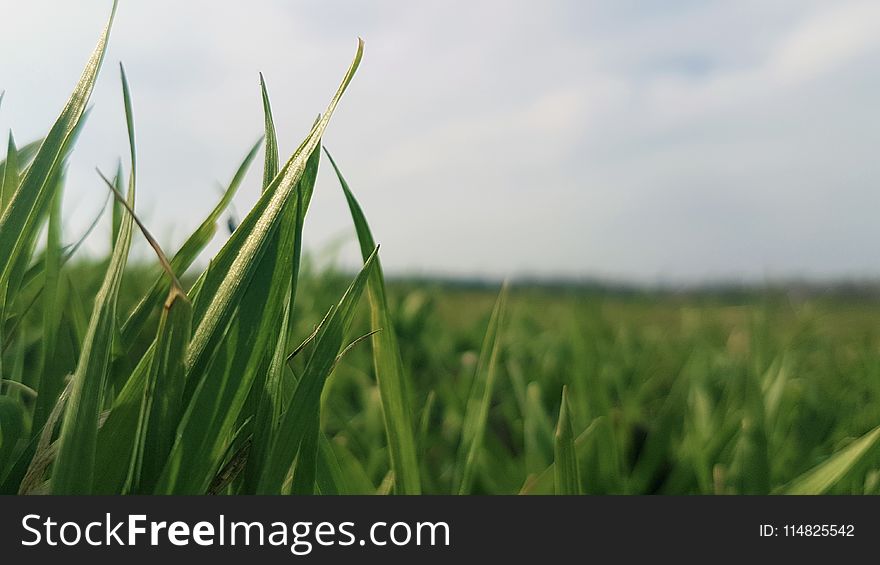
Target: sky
643,141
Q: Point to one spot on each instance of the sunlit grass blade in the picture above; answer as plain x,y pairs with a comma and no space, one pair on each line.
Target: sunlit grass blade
215,404
393,386
231,284
826,475
304,406
17,220
268,384
480,398
234,265
566,465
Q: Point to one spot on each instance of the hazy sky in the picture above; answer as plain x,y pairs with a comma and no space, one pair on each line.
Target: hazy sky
644,140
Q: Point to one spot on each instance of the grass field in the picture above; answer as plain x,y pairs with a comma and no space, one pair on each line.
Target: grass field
668,394
260,374
666,376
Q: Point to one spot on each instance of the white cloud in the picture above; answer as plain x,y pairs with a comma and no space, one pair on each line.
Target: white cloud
827,39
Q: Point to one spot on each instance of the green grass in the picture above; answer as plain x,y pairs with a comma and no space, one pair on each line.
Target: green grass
262,374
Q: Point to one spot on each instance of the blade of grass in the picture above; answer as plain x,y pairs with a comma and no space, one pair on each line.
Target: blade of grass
480,398
543,482
824,476
9,179
387,363
270,168
18,219
268,392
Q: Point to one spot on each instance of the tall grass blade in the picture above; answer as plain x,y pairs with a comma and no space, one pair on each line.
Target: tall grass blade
270,167
10,176
18,220
233,267
545,481
480,398
238,280
393,386
268,385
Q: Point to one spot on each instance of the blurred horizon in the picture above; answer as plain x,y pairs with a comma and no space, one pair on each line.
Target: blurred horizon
683,144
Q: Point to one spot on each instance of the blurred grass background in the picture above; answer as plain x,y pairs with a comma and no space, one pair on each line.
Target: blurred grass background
662,383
